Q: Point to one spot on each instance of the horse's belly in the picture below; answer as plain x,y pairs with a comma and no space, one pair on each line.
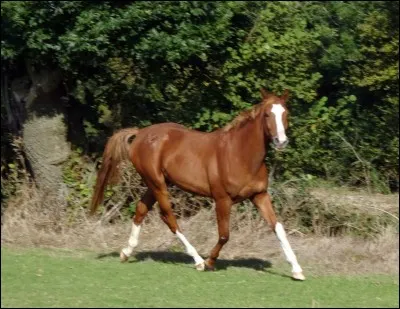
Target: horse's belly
188,174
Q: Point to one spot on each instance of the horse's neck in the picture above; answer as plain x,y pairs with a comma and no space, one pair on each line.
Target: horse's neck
249,142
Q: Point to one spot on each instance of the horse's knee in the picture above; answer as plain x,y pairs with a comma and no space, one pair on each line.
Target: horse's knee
223,239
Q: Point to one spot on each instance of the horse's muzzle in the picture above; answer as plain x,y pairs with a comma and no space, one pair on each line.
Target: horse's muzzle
280,145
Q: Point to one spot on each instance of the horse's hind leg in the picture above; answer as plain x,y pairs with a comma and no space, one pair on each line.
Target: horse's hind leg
142,208
169,218
263,203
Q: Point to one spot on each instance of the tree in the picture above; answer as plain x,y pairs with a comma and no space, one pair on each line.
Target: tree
199,63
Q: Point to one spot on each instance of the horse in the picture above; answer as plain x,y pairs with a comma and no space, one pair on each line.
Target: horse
226,164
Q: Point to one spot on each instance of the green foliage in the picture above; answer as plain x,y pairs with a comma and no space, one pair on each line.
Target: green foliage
13,169
75,174
9,183
200,63
79,175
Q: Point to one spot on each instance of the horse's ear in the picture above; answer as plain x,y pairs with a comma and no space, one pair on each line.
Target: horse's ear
285,95
264,93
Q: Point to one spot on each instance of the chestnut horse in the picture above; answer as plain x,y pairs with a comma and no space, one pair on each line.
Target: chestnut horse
226,164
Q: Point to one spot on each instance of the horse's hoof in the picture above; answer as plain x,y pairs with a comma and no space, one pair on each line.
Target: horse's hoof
123,257
208,266
200,266
299,276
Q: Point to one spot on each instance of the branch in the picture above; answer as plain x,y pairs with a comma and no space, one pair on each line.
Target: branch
111,213
365,164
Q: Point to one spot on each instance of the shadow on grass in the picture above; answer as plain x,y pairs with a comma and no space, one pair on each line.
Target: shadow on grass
183,258
107,255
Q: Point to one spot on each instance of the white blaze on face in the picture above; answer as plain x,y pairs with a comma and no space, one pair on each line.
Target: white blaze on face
277,110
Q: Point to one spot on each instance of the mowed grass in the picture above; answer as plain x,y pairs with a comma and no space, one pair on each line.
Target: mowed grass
59,278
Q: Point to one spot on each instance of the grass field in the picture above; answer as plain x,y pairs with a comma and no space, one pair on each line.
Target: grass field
60,278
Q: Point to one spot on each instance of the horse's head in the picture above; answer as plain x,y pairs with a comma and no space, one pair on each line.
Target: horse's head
275,116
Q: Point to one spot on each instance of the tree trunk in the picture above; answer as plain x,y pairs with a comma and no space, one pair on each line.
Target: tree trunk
44,130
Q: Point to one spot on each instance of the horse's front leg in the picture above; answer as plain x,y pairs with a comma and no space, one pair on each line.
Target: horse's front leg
223,209
264,205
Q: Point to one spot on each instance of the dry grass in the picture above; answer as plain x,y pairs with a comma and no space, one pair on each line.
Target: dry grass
26,223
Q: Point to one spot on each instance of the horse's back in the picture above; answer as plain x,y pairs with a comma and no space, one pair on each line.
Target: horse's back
173,134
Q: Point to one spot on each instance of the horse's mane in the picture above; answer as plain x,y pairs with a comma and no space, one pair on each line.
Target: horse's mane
247,115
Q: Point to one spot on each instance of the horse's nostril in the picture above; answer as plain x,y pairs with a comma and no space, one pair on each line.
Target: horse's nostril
279,144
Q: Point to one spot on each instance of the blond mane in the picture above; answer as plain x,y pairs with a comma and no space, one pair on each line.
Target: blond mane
247,115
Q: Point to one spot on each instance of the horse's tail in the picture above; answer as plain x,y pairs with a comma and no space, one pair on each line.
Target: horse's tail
116,150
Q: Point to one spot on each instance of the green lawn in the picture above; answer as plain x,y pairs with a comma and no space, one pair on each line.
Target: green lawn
57,278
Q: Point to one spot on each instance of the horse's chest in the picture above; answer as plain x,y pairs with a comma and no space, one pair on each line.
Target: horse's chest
252,188
242,184
245,187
